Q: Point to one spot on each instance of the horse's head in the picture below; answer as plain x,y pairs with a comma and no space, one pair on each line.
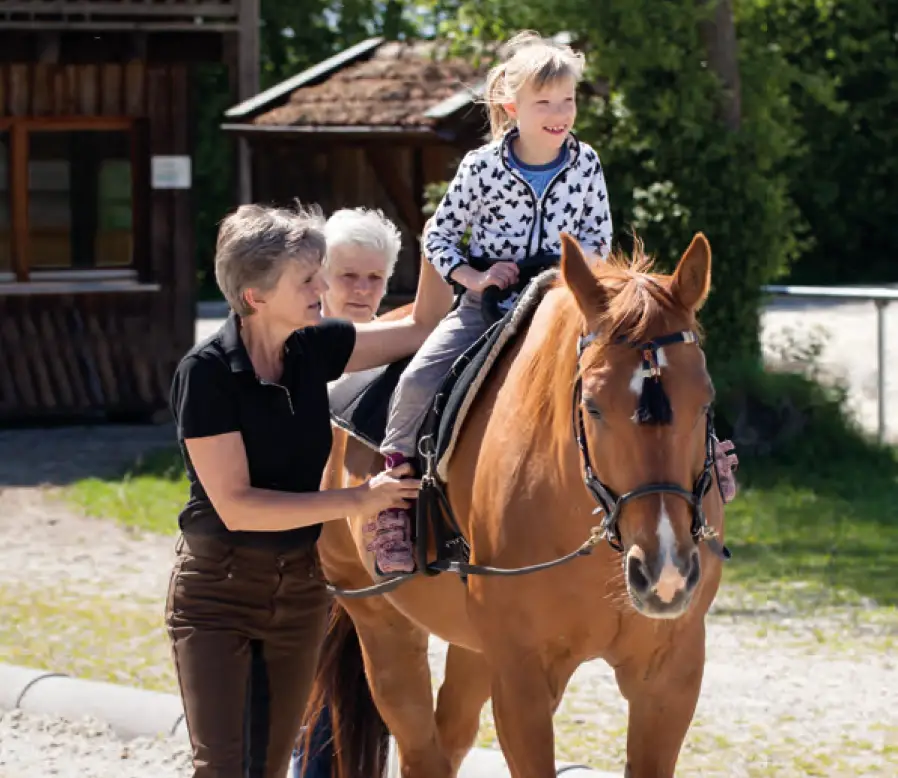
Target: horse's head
643,415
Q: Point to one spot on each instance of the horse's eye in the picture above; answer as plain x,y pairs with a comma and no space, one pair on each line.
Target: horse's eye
592,409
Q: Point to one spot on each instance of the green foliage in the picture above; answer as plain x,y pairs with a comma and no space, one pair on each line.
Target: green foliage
147,495
844,56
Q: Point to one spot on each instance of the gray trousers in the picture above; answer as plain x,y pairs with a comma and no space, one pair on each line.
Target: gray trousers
420,381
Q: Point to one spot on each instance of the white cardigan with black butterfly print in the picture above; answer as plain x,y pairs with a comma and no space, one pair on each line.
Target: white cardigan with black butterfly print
508,221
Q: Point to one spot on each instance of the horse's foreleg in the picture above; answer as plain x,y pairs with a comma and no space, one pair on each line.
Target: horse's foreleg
662,700
395,654
463,693
523,702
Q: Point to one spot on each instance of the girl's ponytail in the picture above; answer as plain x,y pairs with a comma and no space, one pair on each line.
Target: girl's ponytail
495,94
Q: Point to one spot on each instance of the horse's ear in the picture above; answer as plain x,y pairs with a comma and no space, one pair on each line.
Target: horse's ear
692,278
580,279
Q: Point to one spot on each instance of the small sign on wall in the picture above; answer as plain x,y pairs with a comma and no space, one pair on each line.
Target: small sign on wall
171,172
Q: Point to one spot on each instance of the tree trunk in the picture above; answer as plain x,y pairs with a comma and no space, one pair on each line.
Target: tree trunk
718,34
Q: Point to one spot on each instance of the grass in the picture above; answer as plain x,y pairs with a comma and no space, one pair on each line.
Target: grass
96,637
816,507
147,495
832,527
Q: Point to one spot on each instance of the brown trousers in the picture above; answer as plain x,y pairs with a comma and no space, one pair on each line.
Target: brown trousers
246,627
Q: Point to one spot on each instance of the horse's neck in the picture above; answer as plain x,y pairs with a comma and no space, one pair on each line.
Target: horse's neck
549,368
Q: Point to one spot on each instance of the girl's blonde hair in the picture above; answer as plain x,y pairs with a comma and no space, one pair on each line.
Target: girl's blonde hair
531,59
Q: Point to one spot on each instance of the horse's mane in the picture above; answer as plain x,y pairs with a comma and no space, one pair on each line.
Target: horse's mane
640,301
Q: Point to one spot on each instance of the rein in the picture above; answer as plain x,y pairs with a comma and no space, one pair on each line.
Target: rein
608,502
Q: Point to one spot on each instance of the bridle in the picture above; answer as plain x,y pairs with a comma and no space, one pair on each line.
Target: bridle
609,503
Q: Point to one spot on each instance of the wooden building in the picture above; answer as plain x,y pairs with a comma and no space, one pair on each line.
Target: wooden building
97,270
371,126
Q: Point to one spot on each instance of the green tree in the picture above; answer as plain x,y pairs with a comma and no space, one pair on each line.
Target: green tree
844,60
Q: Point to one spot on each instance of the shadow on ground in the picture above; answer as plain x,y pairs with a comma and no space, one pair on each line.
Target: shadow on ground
58,456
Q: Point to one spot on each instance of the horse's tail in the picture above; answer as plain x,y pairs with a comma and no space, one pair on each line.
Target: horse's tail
361,739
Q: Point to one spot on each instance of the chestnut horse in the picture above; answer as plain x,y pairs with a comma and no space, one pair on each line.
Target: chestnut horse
567,419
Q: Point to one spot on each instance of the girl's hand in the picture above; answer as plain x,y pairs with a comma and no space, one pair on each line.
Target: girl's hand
501,274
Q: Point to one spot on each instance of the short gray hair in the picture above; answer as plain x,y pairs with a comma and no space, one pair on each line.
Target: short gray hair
256,241
367,228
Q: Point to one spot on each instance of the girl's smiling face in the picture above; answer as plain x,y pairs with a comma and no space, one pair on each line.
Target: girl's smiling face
546,115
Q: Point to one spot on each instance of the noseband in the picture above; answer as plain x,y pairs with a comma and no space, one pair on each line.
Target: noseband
609,503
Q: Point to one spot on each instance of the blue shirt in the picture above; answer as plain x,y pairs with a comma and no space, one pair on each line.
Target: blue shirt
539,176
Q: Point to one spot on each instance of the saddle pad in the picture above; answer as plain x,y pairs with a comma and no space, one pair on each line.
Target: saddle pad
359,402
457,394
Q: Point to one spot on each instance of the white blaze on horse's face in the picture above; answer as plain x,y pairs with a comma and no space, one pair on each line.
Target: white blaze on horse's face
671,580
640,374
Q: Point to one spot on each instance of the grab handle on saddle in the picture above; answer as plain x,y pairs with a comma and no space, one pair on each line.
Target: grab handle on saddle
530,267
489,303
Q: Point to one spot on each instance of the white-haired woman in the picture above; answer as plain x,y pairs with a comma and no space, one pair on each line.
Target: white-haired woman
247,606
362,249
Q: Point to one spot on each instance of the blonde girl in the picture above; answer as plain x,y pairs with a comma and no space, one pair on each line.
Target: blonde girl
517,193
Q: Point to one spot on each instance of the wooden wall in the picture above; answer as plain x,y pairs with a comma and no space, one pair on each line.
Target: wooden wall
389,176
159,94
82,355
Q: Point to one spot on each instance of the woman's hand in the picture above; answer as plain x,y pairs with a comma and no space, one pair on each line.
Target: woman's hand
389,489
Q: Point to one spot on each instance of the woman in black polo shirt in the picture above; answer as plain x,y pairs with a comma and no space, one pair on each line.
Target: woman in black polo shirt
247,606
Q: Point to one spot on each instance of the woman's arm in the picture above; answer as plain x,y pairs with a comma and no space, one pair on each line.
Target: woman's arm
220,464
385,341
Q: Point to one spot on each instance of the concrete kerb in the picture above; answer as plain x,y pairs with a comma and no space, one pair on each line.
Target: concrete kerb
132,712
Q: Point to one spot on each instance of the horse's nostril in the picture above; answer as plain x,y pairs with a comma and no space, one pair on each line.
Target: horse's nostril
638,574
693,570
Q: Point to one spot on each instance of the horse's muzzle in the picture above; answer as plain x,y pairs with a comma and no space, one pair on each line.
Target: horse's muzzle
662,592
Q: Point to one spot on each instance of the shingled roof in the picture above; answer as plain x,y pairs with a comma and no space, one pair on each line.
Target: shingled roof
401,85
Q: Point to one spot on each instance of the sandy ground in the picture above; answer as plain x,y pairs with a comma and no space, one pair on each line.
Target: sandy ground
787,692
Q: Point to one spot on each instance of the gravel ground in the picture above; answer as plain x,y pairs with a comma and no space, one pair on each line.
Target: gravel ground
786,693
790,690
32,745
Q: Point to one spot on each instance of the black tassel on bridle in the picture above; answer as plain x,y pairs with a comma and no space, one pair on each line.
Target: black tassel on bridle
654,405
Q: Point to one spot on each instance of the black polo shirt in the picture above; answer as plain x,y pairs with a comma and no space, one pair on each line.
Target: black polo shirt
285,426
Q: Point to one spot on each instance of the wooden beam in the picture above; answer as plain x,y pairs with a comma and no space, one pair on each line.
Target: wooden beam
138,44
124,8
141,200
48,47
248,55
209,27
401,195
74,123
18,200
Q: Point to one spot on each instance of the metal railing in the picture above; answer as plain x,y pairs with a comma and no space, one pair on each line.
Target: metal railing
880,297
